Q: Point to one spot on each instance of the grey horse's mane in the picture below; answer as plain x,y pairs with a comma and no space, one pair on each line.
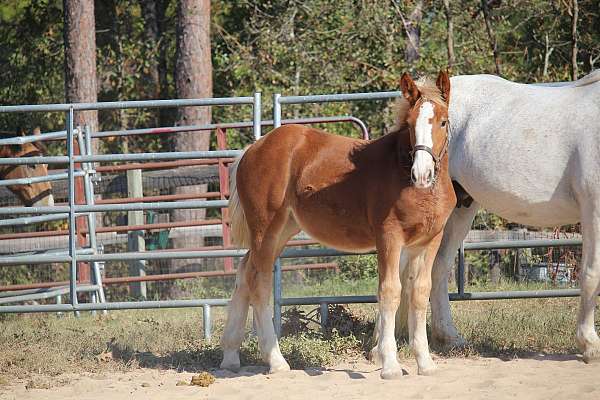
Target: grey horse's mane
589,79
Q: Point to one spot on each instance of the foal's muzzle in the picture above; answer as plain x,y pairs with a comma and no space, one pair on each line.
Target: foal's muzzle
422,173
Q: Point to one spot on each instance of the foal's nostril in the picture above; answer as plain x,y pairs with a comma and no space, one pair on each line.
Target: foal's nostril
429,176
413,177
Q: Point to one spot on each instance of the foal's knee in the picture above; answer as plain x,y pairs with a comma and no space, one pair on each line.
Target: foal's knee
390,292
420,294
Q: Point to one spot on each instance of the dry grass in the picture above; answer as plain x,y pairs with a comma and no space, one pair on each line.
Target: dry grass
41,348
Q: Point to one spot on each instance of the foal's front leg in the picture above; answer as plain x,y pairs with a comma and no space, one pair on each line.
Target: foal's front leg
388,256
419,288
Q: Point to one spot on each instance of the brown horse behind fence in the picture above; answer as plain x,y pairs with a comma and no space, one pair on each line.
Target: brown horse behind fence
34,194
393,194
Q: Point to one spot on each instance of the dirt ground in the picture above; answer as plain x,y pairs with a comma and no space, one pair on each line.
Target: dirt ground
537,377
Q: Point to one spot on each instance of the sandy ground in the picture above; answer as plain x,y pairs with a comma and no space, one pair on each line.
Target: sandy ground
539,377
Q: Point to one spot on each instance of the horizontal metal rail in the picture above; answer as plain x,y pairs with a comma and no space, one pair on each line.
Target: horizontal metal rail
160,277
126,305
35,160
116,229
501,295
47,294
182,155
235,125
161,164
287,253
328,98
109,105
35,138
515,244
166,205
39,179
33,220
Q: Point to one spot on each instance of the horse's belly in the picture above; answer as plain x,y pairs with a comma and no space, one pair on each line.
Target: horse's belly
339,228
522,202
550,213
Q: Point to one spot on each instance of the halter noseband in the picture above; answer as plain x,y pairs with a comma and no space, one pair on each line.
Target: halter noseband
436,158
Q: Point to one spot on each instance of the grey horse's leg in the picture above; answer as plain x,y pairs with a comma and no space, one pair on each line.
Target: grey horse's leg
587,338
443,330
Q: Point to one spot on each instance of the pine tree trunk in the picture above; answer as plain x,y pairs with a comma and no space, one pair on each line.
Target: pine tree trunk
80,58
574,17
413,32
166,115
151,37
449,34
491,35
193,79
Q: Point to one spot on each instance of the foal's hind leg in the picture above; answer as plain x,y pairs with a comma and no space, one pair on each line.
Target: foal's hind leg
388,256
587,338
237,314
260,282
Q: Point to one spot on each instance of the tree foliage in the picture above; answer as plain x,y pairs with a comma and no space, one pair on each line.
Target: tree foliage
289,47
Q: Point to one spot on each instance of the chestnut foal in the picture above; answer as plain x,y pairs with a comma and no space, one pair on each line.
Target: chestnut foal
393,194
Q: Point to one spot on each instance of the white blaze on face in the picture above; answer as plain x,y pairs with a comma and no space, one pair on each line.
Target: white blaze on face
423,167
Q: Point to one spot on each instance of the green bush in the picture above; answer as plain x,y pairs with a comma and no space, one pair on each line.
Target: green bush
358,267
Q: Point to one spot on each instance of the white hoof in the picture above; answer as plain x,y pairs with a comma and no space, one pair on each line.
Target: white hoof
591,355
590,348
450,342
392,373
280,367
427,371
231,361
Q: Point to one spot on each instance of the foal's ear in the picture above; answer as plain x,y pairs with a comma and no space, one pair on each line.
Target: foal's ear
443,83
410,91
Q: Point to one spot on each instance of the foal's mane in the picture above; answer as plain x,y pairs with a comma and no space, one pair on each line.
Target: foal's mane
429,92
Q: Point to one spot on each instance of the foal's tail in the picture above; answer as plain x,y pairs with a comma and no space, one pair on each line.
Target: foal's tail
240,231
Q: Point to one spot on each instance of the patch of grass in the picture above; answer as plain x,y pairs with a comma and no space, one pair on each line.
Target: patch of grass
44,345
518,327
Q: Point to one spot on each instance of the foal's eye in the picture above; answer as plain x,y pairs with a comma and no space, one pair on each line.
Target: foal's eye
444,124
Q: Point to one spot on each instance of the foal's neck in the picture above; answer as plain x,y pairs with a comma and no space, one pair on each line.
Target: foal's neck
403,147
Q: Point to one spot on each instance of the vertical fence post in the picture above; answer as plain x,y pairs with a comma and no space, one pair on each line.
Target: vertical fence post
277,297
83,268
324,311
59,301
256,120
207,322
89,200
72,222
461,269
135,239
276,111
224,191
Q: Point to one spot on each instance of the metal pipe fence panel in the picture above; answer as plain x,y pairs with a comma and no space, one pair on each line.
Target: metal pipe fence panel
70,211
